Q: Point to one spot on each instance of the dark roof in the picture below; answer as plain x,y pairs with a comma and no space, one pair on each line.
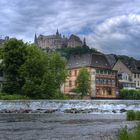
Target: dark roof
111,59
82,60
100,61
95,60
133,65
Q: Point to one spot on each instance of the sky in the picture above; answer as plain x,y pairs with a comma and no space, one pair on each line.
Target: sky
110,26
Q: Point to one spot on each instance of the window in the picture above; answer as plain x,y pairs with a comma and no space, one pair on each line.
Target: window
113,82
75,72
134,75
109,91
138,83
70,73
101,72
104,81
97,81
70,83
109,82
101,81
97,71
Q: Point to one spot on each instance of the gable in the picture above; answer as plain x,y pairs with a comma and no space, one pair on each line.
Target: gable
121,68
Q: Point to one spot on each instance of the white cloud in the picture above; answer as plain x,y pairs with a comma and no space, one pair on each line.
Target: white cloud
118,35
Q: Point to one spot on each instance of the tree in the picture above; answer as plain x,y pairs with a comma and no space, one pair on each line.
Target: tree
44,73
30,71
33,71
83,82
55,75
14,52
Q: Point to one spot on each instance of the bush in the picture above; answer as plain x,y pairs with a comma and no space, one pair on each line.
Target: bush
124,134
59,95
137,115
12,97
131,115
129,94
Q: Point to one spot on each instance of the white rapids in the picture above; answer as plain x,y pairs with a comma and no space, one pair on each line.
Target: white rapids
73,106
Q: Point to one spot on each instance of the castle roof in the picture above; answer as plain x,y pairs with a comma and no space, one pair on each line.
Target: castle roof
74,37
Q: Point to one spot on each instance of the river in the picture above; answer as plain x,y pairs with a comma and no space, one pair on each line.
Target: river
64,120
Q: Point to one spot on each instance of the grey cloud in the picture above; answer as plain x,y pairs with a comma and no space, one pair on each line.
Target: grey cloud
113,30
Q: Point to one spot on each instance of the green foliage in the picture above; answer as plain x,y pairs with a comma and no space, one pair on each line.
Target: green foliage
83,82
137,115
13,57
12,97
124,134
131,115
31,72
44,73
67,52
125,57
75,90
129,94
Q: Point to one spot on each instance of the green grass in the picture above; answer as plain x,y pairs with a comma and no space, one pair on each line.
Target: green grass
12,97
133,115
129,94
125,134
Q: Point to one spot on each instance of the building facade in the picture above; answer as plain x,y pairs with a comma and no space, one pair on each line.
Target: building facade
128,73
57,41
103,78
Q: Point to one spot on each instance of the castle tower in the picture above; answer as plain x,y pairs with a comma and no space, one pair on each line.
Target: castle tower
57,32
35,39
84,42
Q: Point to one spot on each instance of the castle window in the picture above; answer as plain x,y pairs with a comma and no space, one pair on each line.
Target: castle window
75,72
70,73
70,83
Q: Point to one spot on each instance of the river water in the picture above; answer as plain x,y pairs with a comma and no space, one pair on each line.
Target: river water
64,120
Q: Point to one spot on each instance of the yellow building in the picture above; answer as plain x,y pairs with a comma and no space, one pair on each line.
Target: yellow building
103,78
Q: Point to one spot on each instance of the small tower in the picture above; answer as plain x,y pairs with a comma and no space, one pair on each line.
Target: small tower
84,42
57,32
35,39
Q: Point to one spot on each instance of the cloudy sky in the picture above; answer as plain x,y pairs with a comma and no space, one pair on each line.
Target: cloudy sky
111,26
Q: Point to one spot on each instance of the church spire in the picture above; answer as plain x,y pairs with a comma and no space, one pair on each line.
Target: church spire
57,32
84,42
35,39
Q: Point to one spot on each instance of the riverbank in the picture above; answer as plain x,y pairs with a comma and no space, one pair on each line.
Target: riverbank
60,126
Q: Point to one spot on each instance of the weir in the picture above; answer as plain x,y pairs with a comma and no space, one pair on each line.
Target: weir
70,106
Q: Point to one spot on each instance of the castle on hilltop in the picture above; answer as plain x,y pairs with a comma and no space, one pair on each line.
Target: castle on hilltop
58,41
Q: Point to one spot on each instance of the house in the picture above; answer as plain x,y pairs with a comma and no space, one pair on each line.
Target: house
128,73
103,78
